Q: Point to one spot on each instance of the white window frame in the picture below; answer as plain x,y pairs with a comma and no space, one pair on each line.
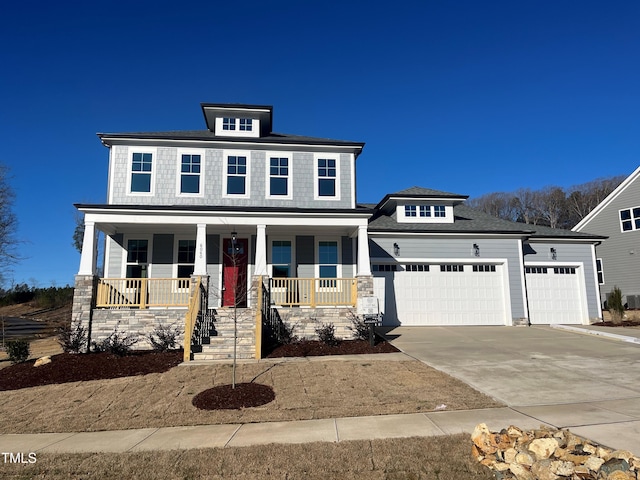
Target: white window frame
289,157
293,270
174,271
125,252
247,183
253,133
402,216
338,240
316,178
190,151
632,219
600,272
154,162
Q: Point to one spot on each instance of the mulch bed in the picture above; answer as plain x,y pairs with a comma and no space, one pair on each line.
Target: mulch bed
312,348
624,323
225,397
67,367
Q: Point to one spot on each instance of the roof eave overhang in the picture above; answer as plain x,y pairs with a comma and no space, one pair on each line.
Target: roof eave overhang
139,140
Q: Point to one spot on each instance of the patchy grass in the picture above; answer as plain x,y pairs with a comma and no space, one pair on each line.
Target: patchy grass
304,390
437,458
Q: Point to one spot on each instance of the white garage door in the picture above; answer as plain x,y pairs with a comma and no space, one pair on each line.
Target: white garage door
443,294
554,294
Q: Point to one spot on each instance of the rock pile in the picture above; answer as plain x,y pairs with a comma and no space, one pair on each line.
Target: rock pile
550,454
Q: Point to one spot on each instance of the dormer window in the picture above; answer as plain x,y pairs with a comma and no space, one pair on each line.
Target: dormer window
424,213
246,124
238,126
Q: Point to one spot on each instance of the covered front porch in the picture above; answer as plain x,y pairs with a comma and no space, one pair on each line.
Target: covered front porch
153,259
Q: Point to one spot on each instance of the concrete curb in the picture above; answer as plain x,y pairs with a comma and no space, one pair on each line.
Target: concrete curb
598,333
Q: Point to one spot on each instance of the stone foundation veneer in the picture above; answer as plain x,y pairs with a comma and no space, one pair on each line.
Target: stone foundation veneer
136,323
84,302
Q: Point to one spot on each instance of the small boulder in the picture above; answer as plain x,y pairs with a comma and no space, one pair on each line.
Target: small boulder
543,447
42,361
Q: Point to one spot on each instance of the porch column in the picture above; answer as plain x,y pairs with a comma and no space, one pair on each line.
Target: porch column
200,266
261,250
88,255
364,262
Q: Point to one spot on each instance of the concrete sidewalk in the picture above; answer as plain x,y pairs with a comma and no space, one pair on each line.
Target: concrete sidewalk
604,423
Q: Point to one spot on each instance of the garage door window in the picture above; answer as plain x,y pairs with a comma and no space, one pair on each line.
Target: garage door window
384,267
416,268
564,271
452,268
484,268
535,270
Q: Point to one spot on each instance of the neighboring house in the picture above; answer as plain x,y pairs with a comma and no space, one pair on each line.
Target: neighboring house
239,216
618,257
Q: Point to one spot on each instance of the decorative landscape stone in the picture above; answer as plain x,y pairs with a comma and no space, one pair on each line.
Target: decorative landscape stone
549,454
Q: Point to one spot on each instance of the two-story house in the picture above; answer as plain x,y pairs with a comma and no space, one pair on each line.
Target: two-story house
240,213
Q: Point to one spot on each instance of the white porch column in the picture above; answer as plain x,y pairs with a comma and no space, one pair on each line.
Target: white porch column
200,266
88,255
364,262
261,250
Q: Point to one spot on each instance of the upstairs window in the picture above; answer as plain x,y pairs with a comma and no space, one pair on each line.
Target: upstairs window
228,123
141,168
439,211
630,219
327,173
410,210
236,175
246,124
279,176
190,174
425,210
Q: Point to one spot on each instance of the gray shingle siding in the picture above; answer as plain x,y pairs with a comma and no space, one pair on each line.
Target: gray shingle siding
165,180
621,267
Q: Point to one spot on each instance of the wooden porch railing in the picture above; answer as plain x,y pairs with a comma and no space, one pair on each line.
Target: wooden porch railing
143,292
190,320
313,292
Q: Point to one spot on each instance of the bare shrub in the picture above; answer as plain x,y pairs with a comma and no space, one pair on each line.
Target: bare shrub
327,334
358,327
119,343
616,307
72,337
164,337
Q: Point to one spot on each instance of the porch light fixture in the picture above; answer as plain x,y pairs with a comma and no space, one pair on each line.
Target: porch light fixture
553,253
476,250
396,249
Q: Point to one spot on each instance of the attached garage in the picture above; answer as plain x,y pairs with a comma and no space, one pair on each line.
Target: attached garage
446,293
555,294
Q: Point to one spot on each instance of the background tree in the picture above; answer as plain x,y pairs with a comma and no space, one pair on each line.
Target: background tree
552,206
8,225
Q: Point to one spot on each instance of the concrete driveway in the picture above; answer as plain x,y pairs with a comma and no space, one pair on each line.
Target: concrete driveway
566,379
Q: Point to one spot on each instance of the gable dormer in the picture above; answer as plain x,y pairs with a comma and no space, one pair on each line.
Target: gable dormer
236,120
421,205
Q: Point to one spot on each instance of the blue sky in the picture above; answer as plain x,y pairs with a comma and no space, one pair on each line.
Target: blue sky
462,96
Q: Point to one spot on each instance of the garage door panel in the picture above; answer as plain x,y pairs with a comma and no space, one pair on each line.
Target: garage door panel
445,298
554,297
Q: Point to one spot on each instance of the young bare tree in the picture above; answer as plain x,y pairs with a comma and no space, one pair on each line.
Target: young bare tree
8,225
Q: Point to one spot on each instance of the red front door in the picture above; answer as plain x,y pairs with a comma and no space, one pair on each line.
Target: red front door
234,272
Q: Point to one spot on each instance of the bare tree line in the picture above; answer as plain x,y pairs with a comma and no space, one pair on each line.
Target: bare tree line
552,206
